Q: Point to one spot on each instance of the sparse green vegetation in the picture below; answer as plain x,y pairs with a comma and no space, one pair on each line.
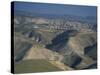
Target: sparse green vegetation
39,42
38,65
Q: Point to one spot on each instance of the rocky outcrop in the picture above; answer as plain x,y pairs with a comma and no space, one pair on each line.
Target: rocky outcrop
33,35
72,60
59,43
75,48
21,46
72,43
91,51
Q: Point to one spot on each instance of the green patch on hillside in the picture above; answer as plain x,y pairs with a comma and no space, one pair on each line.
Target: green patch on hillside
30,66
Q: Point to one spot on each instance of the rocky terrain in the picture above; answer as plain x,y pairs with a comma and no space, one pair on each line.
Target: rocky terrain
67,44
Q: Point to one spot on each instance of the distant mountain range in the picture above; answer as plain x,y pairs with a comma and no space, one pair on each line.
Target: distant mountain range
88,19
71,48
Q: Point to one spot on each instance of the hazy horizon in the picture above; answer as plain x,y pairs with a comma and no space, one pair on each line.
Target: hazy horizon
58,9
